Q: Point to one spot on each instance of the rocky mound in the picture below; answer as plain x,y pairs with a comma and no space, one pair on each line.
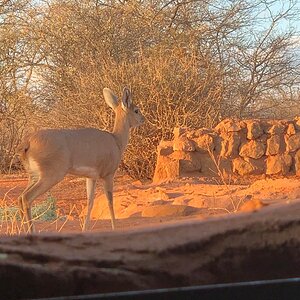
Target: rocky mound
233,147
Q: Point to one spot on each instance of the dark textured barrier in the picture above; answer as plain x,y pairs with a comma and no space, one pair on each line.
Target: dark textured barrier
243,247
258,290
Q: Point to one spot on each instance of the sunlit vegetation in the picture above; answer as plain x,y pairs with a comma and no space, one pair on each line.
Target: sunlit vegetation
188,63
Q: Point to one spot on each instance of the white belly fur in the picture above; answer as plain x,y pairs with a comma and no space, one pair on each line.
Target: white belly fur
84,171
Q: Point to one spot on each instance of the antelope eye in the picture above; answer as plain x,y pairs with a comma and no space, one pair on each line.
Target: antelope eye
136,111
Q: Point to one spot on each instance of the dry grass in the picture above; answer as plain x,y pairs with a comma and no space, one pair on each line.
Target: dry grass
12,224
225,180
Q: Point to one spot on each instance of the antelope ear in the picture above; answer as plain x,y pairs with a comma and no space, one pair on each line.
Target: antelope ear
110,98
126,99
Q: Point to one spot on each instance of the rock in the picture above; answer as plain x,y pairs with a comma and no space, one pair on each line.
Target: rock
230,145
293,142
233,146
248,166
163,195
166,169
297,123
179,131
263,138
275,145
254,130
137,183
252,205
183,144
204,143
197,202
123,208
188,161
297,162
266,125
277,128
175,165
218,144
242,167
165,147
194,134
166,210
253,149
188,166
279,164
211,167
291,129
228,125
159,202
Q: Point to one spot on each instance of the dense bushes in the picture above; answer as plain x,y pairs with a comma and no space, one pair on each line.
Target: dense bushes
188,63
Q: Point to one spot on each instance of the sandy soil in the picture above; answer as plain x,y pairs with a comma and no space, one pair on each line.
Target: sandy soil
140,204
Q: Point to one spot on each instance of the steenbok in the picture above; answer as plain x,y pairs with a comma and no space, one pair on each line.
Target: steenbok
49,154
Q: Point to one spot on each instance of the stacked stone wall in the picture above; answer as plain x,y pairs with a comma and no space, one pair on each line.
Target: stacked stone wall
233,147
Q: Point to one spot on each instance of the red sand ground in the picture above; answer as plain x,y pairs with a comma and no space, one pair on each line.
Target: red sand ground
146,204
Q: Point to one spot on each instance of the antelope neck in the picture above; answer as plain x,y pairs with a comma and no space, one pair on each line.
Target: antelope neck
121,129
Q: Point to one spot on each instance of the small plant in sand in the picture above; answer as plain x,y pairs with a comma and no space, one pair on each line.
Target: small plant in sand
9,220
235,203
11,223
45,211
9,216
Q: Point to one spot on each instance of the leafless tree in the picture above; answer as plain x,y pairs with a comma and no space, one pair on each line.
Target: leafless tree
189,63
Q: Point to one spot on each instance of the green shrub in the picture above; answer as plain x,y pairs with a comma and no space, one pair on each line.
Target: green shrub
45,211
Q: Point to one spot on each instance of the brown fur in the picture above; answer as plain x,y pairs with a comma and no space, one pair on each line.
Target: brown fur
48,155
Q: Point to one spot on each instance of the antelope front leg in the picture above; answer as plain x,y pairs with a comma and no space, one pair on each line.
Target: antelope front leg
90,191
108,190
